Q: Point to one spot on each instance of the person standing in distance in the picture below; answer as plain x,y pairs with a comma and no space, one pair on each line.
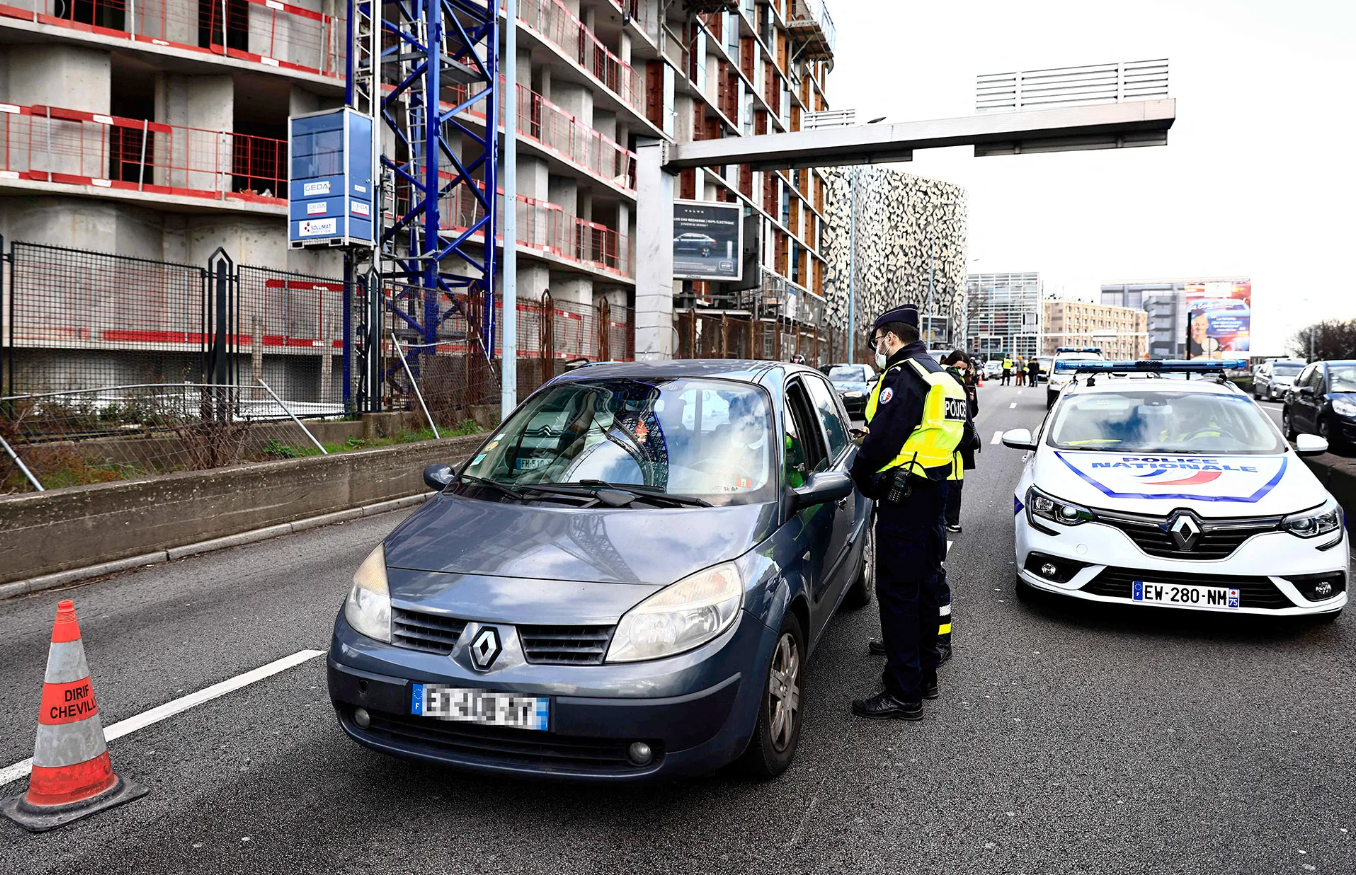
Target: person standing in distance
1033,373
915,420
1007,369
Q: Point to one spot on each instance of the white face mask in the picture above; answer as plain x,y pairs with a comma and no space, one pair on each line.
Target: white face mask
881,357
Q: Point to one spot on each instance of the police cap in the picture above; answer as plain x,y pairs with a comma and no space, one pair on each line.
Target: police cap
908,314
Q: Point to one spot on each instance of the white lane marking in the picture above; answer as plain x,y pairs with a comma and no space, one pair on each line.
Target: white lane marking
997,438
1019,391
948,547
179,705
1012,405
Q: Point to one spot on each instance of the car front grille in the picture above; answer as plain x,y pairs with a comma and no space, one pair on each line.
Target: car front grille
431,633
1219,538
565,645
501,745
1253,592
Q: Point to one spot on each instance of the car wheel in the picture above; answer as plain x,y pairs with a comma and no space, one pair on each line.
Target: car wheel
706,250
1050,399
1288,424
777,734
859,596
1329,616
1026,592
1328,434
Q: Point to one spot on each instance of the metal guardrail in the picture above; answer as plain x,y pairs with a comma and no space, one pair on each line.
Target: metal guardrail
1072,86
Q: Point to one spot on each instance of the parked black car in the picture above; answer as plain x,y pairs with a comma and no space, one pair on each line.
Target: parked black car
1323,402
853,384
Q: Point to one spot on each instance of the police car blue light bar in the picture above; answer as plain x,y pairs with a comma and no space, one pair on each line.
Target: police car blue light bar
1096,349
1157,366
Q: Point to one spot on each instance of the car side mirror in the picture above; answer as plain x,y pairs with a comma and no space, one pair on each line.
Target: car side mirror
436,477
1310,445
822,488
1019,439
1307,390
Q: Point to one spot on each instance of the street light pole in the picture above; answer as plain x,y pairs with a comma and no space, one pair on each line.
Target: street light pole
852,271
932,272
508,179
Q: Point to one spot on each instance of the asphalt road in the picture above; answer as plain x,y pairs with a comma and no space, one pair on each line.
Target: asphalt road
1065,740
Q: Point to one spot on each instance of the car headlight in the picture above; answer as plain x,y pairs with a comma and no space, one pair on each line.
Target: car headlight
1056,511
368,608
1312,523
1343,407
679,617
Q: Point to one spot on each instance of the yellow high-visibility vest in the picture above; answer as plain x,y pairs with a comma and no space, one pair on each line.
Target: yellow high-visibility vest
930,449
1007,364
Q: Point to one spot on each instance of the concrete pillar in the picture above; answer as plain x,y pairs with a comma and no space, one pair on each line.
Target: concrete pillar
199,158
605,123
533,175
654,253
624,48
574,99
545,89
564,192
574,288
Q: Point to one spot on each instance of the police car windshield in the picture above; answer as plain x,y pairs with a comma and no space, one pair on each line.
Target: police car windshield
1164,422
708,438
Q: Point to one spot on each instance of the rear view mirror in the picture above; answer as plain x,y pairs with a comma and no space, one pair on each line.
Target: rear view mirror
1019,439
436,477
1310,445
822,488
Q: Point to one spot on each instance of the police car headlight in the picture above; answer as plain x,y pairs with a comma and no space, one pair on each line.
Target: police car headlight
1312,523
1342,407
368,608
679,617
1047,507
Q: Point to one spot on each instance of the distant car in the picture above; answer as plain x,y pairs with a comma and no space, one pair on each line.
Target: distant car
1322,401
993,368
853,384
1271,380
1046,363
1058,380
698,243
623,583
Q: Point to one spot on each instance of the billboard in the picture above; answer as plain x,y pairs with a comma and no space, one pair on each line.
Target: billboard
330,193
707,240
1219,319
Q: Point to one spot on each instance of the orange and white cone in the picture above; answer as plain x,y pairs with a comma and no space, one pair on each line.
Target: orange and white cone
72,775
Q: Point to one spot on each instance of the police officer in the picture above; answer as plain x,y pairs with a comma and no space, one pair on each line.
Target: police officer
915,420
1007,370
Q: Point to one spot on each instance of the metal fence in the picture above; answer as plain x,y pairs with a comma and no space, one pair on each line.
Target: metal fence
56,439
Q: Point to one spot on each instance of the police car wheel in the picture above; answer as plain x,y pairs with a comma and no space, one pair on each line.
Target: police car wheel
777,733
1026,592
859,595
1050,399
1329,617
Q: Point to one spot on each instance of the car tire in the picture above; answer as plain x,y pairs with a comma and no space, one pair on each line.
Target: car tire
1288,424
706,251
859,594
1329,434
1329,617
769,754
1050,399
1026,593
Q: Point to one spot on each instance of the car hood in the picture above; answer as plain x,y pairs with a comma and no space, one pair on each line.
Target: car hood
456,535
1219,486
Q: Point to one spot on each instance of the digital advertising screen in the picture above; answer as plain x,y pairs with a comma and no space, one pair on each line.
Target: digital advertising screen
1219,319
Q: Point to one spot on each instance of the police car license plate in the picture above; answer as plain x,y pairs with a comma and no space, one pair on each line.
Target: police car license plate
1184,595
480,706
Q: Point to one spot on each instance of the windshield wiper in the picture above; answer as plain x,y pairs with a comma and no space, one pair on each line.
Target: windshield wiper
493,484
653,493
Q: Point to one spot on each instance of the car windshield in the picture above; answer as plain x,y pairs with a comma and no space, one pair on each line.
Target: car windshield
713,439
1286,369
1342,378
1164,422
848,374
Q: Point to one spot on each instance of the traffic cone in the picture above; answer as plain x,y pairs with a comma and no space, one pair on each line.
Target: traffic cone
72,775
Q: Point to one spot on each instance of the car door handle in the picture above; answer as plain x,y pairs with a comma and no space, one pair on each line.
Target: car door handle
843,502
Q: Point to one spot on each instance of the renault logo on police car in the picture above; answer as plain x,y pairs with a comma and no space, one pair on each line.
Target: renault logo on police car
1185,531
485,648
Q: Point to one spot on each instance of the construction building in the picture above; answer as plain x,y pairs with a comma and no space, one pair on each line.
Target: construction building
137,139
1121,332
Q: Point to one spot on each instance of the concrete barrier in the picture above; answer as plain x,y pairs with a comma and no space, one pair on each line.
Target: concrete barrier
1338,475
45,533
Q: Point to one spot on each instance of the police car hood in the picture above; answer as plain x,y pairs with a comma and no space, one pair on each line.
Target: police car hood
1213,486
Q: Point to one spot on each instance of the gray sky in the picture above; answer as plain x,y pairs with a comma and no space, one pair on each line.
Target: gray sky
1256,178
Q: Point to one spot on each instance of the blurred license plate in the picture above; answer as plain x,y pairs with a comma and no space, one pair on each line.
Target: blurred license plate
480,706
1181,594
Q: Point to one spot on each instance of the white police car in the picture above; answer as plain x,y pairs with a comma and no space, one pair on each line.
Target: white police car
1058,378
1161,491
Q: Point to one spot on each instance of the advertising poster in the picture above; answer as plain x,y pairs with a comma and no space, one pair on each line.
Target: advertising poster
706,240
1219,319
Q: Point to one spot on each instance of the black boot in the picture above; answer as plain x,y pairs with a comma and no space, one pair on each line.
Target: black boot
930,688
943,647
884,706
876,647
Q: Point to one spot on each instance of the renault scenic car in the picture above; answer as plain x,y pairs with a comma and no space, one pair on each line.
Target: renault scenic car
624,581
1178,493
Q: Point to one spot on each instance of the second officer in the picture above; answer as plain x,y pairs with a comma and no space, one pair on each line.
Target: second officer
915,421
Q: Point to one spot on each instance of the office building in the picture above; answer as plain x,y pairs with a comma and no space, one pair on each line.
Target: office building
1120,332
1003,314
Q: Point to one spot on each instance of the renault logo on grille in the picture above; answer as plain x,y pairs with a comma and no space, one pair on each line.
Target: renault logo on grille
485,648
1186,532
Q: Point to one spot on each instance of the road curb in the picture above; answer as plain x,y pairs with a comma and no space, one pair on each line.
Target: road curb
103,569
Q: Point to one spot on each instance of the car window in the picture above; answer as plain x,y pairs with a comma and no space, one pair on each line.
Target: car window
1303,379
807,442
848,374
1342,378
831,416
1283,369
1163,422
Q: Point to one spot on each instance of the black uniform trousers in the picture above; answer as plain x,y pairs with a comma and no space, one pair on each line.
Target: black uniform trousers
910,548
954,491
